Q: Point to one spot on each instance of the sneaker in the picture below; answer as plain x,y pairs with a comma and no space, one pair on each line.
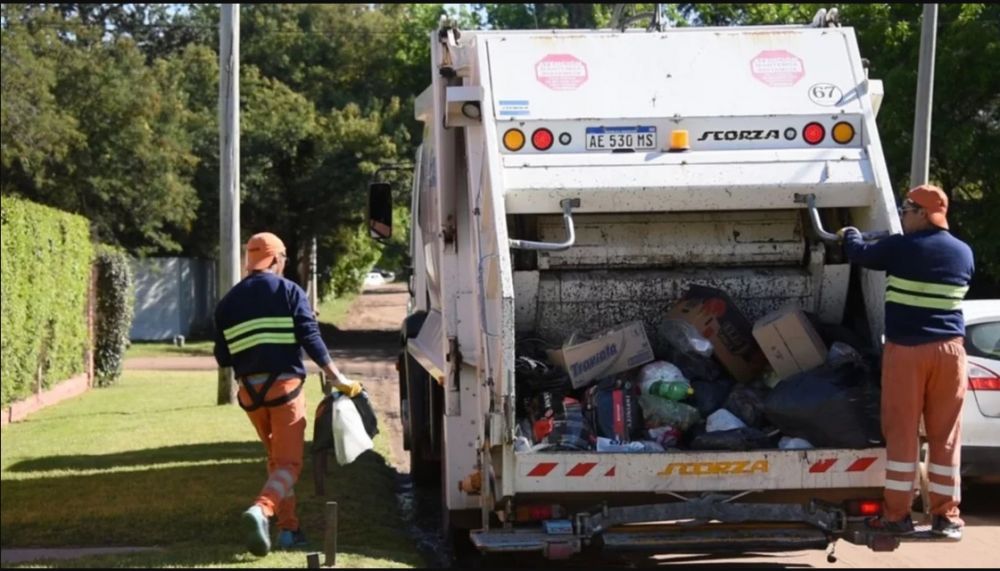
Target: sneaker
288,539
255,525
944,527
901,527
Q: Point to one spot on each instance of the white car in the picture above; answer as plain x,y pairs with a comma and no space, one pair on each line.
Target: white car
374,279
981,413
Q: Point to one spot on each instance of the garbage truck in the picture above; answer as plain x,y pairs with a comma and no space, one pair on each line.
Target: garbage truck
572,180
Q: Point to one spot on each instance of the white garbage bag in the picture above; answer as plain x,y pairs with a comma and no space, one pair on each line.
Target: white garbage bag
789,443
722,419
659,371
350,438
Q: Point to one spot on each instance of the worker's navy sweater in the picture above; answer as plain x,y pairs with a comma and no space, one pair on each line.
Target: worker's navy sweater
262,323
929,256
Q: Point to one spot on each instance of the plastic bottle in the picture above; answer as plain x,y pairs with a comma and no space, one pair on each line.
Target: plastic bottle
673,390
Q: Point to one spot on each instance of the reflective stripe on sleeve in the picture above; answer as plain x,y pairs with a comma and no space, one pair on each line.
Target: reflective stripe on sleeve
921,301
953,291
261,339
259,323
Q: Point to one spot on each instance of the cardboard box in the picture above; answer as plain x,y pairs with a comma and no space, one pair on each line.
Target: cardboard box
612,351
789,341
719,320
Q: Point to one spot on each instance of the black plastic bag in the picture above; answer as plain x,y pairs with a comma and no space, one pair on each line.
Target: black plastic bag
533,377
737,439
709,396
747,403
830,406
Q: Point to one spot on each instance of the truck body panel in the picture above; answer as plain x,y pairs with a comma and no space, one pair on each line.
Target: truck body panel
650,219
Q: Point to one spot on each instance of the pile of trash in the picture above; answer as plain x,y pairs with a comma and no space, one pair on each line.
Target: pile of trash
711,381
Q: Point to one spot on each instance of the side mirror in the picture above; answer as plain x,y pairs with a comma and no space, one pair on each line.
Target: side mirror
380,210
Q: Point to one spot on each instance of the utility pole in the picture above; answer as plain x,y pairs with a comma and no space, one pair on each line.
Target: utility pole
920,159
313,278
313,293
229,176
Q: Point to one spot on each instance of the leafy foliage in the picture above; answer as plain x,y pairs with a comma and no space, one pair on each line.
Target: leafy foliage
115,301
111,111
46,261
123,160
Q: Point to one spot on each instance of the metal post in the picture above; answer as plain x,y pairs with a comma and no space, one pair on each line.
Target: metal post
330,538
920,159
313,278
229,176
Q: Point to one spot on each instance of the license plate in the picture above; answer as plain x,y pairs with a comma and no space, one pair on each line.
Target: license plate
614,138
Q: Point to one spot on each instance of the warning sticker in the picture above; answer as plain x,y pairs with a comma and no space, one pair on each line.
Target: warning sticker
561,72
777,68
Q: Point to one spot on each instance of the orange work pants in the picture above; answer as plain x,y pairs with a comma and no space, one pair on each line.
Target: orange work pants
928,379
282,430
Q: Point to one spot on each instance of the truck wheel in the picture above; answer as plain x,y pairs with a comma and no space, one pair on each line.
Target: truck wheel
404,406
423,471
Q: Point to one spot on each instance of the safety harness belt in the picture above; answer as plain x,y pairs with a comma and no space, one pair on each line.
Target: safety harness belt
257,397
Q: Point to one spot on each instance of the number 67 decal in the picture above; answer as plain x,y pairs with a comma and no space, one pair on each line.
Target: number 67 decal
826,94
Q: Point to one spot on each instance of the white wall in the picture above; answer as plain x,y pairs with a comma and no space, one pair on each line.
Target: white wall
173,296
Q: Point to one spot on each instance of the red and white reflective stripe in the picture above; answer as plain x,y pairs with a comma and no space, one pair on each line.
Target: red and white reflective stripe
581,469
899,485
900,466
950,491
577,470
842,465
941,470
542,469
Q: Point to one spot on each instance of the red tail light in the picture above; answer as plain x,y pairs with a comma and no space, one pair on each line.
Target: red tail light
864,508
542,139
538,512
813,133
983,379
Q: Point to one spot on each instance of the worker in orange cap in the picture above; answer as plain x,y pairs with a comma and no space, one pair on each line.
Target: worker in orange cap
261,323
923,362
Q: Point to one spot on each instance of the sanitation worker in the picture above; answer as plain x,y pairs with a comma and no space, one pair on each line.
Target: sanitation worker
923,363
261,324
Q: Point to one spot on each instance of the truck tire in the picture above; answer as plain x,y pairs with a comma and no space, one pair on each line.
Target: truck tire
404,407
424,470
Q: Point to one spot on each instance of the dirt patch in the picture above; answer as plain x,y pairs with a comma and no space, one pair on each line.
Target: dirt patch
365,346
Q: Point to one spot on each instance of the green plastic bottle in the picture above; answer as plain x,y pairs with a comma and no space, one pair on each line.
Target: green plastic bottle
673,390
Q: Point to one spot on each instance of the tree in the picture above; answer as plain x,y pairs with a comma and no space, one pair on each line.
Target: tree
34,130
125,159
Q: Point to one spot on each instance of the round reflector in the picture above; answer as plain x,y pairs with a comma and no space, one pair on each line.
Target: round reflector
843,132
513,139
813,133
542,139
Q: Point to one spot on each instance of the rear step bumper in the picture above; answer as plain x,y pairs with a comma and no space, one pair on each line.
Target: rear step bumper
741,527
710,541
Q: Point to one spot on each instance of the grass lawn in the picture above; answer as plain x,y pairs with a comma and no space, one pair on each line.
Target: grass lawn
168,349
154,461
334,310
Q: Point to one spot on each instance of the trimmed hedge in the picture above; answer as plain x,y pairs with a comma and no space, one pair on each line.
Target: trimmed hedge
46,259
115,301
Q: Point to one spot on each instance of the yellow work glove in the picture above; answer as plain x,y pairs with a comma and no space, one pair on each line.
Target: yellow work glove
349,388
843,232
